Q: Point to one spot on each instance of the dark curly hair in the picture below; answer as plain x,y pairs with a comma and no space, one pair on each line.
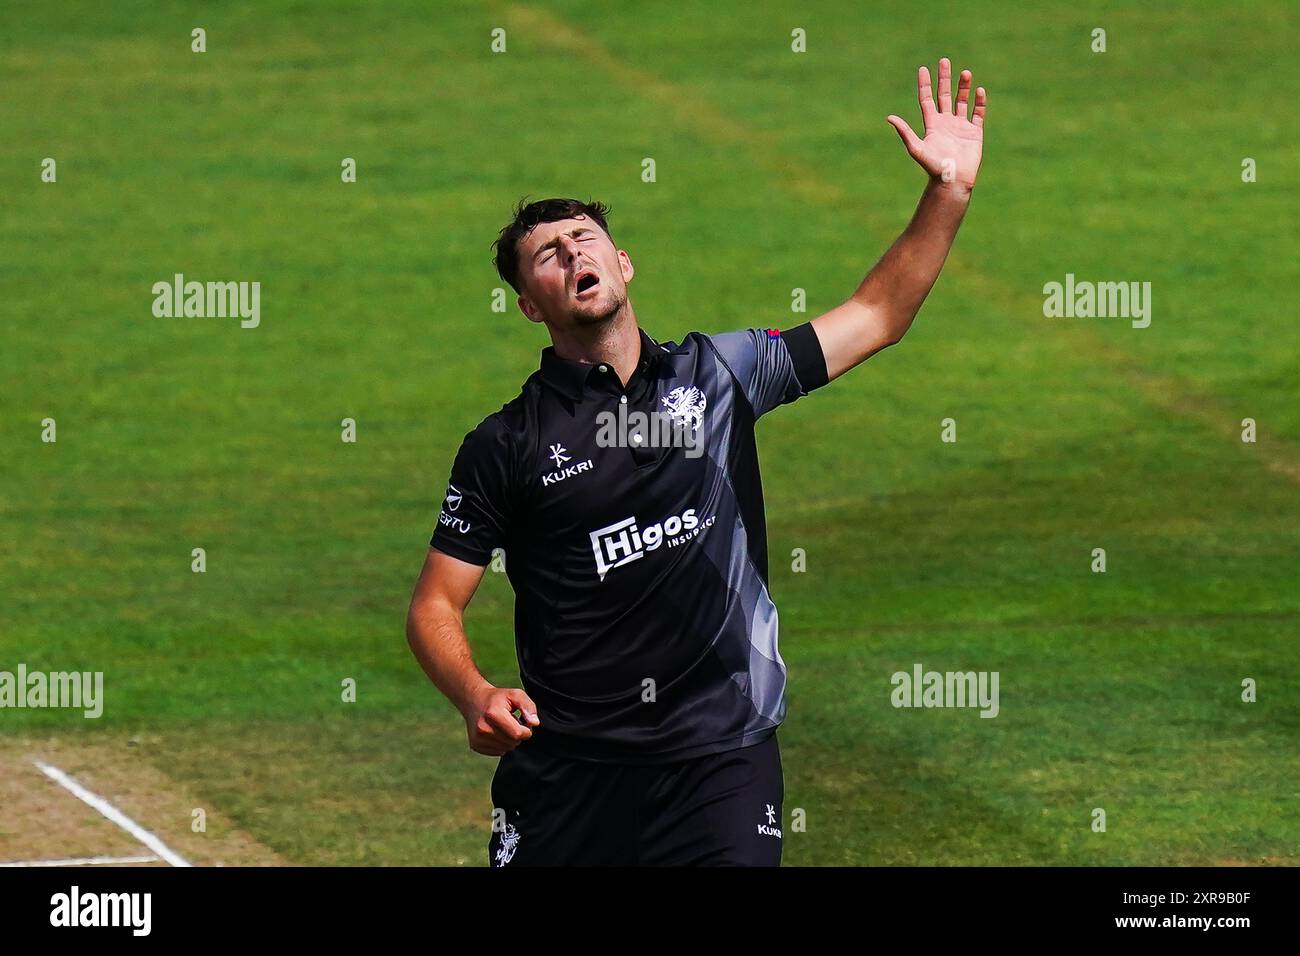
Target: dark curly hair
526,216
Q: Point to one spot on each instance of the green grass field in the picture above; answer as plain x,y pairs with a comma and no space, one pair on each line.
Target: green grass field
775,170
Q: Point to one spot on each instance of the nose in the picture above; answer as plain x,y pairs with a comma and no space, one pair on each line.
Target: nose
570,247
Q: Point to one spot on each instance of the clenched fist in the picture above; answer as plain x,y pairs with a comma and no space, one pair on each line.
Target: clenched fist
491,723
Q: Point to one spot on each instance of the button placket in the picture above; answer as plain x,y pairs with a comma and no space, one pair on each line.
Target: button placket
642,398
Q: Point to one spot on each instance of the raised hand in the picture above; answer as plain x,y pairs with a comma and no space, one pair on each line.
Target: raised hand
951,149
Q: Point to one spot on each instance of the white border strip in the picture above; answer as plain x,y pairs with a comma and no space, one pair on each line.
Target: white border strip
88,861
113,814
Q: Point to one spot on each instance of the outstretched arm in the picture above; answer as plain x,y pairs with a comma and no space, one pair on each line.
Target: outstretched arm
881,310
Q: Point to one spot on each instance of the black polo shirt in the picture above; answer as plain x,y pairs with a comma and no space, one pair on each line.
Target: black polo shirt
637,546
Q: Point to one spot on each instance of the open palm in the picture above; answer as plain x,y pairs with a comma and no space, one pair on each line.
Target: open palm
953,144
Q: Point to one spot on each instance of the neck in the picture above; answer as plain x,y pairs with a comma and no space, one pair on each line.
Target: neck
615,342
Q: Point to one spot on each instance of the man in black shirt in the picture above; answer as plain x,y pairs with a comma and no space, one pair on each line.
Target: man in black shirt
622,488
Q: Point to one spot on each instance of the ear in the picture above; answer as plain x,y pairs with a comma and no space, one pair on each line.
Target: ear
528,309
625,266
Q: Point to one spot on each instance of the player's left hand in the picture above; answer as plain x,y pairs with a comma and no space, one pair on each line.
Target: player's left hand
950,151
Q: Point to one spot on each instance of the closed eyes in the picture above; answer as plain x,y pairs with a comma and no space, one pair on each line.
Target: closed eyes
551,252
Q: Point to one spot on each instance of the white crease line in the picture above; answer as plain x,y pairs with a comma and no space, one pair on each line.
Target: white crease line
88,861
113,814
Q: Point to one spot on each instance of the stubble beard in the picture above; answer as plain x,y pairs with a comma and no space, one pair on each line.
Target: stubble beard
598,314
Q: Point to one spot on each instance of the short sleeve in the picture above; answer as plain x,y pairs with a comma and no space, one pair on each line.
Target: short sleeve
772,367
476,510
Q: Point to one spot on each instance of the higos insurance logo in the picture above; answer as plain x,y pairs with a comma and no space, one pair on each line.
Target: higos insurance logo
625,541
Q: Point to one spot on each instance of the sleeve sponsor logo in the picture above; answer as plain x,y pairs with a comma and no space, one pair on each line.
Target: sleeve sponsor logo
453,498
452,503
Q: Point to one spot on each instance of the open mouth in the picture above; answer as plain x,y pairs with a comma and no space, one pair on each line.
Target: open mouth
587,281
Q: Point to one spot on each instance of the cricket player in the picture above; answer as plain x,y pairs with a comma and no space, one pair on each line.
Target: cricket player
622,487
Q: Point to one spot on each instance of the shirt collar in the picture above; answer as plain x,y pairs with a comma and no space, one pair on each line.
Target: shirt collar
570,378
